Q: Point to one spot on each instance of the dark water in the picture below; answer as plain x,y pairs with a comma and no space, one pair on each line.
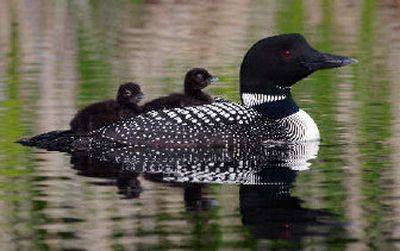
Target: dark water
58,56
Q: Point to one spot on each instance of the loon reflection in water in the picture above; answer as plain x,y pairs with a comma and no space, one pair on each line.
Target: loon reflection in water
127,182
266,204
267,165
235,165
273,215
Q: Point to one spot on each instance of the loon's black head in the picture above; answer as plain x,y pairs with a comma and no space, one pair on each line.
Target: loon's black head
129,93
278,62
198,78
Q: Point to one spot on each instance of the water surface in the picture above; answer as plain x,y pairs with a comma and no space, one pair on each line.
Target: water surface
58,56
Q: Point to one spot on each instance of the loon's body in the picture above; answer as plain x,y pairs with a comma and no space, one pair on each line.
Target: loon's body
195,80
215,125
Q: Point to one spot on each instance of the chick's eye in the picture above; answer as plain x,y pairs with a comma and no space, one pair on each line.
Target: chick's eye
199,76
286,54
128,93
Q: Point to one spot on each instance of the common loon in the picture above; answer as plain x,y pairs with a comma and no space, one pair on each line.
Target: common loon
103,113
269,113
195,80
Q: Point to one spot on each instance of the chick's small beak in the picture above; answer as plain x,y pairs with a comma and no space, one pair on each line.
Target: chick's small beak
213,79
140,97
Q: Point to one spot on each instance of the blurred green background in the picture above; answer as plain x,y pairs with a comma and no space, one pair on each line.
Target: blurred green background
58,56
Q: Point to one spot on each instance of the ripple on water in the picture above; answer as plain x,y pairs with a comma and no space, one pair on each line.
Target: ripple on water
57,57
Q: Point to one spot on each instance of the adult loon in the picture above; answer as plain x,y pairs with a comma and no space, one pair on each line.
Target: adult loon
195,80
267,113
99,114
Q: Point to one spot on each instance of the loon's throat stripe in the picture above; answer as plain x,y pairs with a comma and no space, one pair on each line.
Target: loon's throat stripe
253,99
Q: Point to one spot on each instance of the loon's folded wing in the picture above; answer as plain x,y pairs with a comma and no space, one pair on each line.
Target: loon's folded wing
206,124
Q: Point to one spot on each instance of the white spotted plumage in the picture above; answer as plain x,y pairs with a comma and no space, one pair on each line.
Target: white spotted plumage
220,123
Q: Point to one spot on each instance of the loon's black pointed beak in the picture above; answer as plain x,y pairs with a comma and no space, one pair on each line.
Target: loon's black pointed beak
327,61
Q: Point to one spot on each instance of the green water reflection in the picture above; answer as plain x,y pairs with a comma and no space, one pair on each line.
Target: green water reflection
57,57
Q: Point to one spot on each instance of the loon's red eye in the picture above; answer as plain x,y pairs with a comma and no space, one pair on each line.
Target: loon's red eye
286,54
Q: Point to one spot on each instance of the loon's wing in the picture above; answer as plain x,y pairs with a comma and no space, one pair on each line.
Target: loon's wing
211,124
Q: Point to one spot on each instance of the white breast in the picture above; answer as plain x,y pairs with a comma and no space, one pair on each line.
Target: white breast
301,126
